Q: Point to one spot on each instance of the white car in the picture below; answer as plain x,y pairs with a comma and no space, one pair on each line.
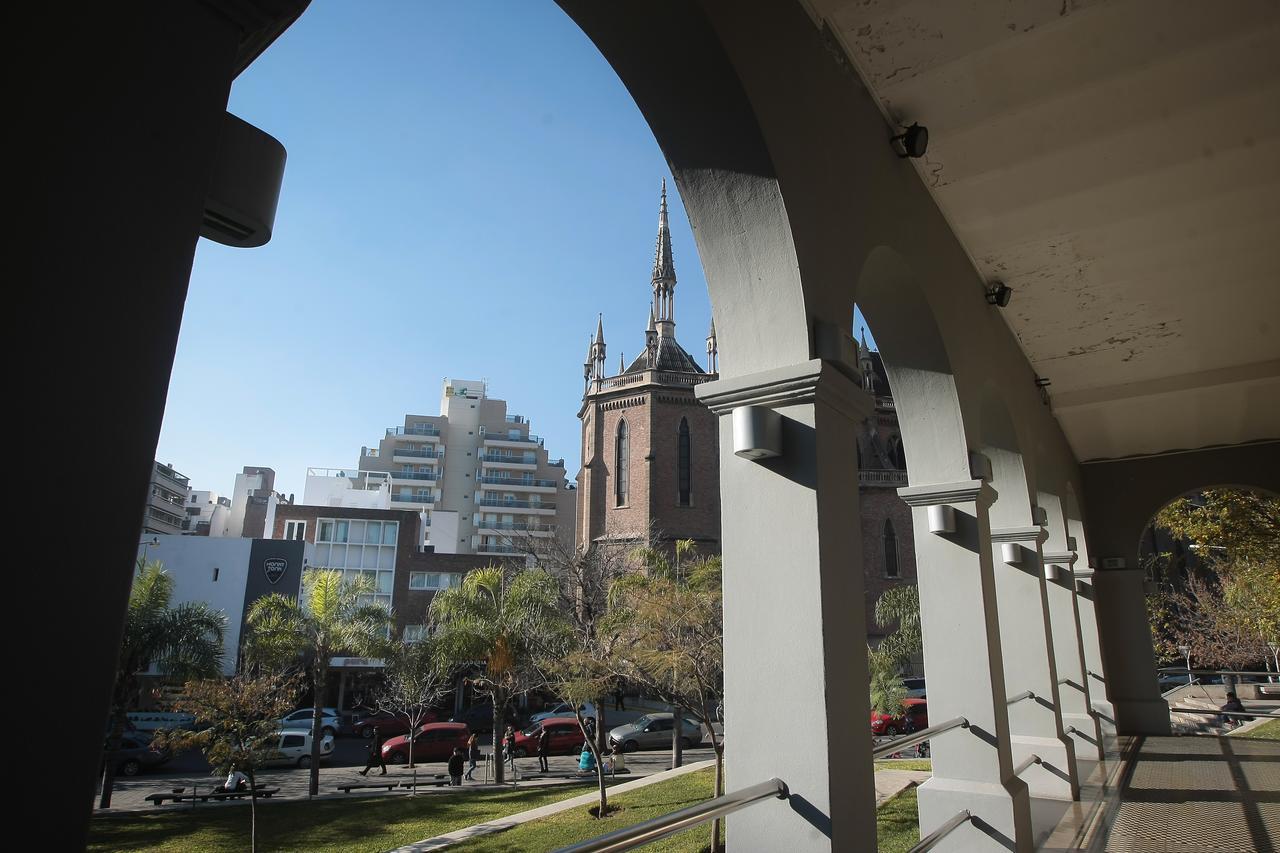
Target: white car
564,709
294,747
330,722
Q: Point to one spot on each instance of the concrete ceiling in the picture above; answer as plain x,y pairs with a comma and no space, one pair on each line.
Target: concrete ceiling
1118,165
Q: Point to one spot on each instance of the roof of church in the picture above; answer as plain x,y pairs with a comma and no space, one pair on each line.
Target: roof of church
671,358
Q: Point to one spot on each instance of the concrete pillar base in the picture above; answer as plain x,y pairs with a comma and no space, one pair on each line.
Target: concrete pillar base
1141,716
1002,812
1056,777
1087,736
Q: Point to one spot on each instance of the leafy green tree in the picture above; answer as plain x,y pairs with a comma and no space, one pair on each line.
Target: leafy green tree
670,619
887,690
181,642
509,620
898,608
237,722
333,616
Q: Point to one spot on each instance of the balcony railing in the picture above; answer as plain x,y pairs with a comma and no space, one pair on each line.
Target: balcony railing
530,527
415,475
517,481
414,499
516,504
887,479
506,459
532,439
486,548
414,429
423,453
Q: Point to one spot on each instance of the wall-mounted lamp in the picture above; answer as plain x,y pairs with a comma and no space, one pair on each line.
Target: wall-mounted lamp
980,466
1052,572
999,294
912,142
1039,516
757,432
1011,553
942,519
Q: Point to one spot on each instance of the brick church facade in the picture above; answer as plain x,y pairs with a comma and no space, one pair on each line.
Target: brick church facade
650,450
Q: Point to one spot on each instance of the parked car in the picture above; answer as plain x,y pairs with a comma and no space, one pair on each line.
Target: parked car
566,737
654,730
914,717
330,722
433,742
389,724
137,754
479,717
564,709
914,686
294,747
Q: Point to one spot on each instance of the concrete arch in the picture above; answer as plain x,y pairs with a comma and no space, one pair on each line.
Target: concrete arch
919,368
999,442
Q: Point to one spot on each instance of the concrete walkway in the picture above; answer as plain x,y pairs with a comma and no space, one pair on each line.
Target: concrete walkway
503,824
890,783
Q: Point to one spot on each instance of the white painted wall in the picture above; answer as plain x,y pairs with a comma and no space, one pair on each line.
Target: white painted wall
190,561
443,532
338,491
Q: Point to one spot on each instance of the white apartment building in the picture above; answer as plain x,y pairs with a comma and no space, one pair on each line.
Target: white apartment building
208,513
481,481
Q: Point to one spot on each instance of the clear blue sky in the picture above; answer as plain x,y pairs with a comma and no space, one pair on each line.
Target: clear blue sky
467,186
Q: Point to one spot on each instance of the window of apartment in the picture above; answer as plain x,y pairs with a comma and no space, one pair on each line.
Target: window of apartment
424,580
684,463
890,550
415,633
359,548
622,464
194,499
295,529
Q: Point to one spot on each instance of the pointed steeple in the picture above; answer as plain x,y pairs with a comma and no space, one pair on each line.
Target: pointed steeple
865,365
598,349
600,329
713,349
622,364
663,280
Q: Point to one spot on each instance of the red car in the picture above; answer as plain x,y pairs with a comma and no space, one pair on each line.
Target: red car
566,737
914,717
389,724
434,742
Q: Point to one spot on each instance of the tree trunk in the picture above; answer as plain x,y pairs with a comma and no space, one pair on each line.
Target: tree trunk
596,753
322,675
253,811
113,748
602,731
717,845
677,731
499,719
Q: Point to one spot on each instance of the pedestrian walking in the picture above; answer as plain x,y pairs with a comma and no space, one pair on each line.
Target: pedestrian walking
509,745
618,704
544,749
455,767
473,755
375,754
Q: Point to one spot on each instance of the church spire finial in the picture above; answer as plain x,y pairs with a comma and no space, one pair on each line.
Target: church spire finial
664,272
713,349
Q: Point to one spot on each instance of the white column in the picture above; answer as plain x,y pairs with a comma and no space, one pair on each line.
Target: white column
1026,638
1121,608
1096,681
1078,720
973,766
793,612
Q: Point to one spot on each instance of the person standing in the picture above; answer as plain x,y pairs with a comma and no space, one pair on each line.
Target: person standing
375,754
509,746
455,767
544,749
473,755
618,704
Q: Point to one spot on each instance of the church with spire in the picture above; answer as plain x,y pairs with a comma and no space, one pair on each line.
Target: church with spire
650,450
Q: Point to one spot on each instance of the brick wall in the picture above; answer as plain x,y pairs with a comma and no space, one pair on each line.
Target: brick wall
876,507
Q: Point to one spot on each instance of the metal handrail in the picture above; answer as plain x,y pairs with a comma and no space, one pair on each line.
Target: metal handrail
1027,762
931,840
1182,670
1026,694
660,827
1218,713
919,737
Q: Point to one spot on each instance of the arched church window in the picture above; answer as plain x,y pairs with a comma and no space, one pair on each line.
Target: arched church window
890,550
898,454
685,463
622,464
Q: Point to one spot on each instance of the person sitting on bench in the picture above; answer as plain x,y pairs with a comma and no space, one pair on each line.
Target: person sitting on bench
236,782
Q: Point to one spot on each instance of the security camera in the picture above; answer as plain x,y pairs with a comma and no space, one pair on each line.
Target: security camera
913,141
999,294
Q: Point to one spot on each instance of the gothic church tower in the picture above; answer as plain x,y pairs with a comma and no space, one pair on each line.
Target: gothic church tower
650,450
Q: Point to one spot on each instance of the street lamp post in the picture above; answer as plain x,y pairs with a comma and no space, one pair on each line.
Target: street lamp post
153,542
1186,653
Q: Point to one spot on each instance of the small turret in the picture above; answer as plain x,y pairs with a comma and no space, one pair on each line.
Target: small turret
713,350
598,349
865,366
651,341
663,281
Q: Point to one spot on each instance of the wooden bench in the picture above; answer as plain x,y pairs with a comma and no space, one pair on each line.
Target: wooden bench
181,797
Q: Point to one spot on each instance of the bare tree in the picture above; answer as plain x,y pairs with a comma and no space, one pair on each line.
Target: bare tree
415,679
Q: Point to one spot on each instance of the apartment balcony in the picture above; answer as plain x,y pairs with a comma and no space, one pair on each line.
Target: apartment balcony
882,479
430,432
484,548
531,528
173,476
527,484
410,477
416,499
513,441
428,455
517,506
507,460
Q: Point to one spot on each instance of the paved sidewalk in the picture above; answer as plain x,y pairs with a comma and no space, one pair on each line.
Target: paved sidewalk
503,824
890,783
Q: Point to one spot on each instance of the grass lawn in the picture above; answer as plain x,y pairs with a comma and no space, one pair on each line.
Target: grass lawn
906,764
375,824
897,827
1270,730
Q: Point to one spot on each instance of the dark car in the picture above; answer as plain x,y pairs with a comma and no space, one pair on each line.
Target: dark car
566,737
434,742
914,717
389,724
137,754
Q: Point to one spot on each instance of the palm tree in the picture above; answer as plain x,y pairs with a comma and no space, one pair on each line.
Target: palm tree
508,621
182,642
333,615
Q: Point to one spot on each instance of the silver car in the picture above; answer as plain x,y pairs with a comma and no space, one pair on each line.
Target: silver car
654,731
